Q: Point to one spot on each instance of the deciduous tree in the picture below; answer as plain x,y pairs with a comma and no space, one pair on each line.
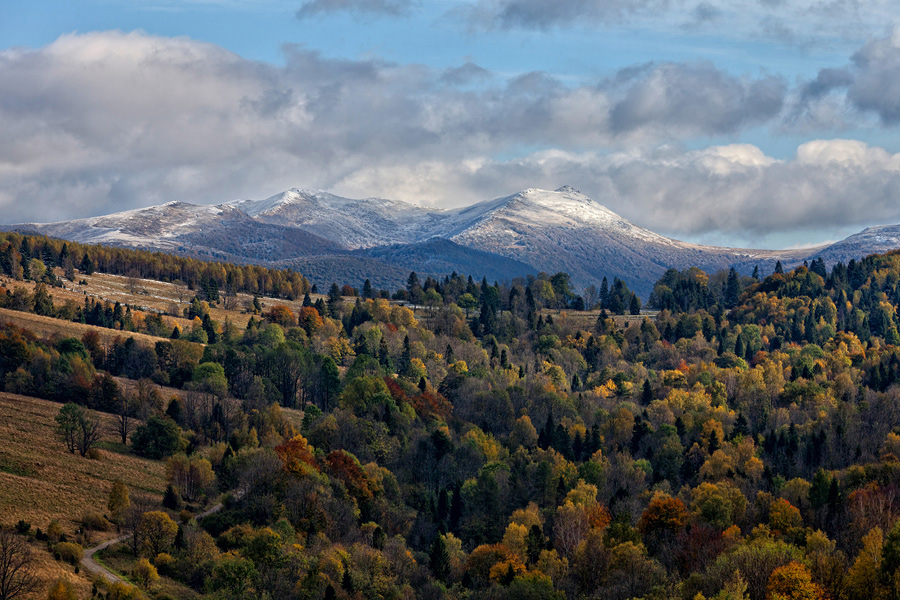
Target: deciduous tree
18,577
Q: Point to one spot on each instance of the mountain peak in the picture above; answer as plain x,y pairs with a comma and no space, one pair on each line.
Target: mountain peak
568,189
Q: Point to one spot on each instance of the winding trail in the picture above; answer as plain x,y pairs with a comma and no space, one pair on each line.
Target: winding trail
93,567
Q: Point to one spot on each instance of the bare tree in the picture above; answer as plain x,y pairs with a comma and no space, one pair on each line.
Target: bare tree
149,401
125,404
229,300
90,432
133,281
181,291
17,575
591,297
78,427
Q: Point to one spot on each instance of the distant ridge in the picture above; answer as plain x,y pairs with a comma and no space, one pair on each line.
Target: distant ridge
331,238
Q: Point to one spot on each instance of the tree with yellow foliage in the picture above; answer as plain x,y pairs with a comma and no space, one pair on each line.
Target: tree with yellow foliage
793,581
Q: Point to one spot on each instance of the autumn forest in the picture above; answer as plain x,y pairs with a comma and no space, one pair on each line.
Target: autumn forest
730,437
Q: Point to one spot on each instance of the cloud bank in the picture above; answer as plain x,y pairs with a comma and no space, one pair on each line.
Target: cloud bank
788,21
102,122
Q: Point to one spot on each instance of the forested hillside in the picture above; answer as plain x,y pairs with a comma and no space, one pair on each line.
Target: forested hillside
740,440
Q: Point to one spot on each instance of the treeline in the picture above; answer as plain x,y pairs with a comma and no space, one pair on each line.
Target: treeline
523,295
25,256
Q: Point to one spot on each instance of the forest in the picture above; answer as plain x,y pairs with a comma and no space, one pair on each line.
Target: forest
738,438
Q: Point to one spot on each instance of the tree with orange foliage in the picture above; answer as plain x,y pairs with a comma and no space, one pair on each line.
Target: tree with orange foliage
345,467
483,559
784,517
310,319
430,405
297,455
662,521
598,516
664,514
282,315
793,581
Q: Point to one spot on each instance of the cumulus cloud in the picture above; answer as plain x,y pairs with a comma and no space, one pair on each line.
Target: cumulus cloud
392,8
868,86
108,121
683,96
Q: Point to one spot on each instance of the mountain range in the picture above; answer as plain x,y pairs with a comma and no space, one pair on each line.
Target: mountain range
330,238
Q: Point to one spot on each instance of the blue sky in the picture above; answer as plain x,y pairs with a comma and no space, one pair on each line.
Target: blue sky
750,122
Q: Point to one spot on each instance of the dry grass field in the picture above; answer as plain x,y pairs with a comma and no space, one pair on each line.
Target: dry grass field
149,295
48,570
49,327
40,480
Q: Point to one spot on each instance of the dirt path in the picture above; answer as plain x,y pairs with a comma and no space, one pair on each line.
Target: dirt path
93,567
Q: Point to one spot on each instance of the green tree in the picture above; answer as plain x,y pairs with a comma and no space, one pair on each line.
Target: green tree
234,575
467,302
439,558
158,438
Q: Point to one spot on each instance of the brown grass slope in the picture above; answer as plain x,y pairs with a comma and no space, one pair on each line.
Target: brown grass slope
40,480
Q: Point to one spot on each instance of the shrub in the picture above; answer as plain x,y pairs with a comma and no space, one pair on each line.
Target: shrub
54,531
164,563
185,516
62,590
23,526
95,521
144,573
123,591
69,552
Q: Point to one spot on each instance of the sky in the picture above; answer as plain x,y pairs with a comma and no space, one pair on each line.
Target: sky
749,123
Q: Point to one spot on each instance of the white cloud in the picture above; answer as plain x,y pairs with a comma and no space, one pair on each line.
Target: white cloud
115,120
109,121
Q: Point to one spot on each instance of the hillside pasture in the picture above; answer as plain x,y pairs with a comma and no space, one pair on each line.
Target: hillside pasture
41,481
49,327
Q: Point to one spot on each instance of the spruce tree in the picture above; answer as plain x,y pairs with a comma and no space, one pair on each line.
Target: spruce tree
439,558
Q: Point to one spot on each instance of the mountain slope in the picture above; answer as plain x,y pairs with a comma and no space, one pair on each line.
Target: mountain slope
219,232
443,256
872,240
347,222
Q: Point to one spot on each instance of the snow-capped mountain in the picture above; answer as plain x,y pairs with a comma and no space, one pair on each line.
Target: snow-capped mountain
219,232
330,238
348,222
871,240
564,230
